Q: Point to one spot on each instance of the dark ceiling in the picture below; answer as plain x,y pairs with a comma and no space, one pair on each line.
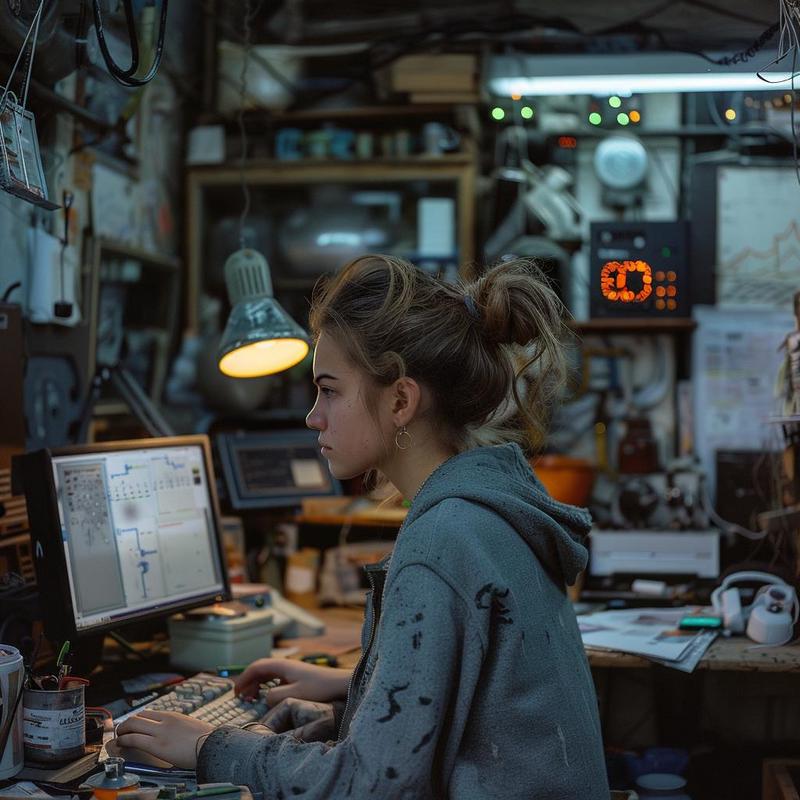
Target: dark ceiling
720,25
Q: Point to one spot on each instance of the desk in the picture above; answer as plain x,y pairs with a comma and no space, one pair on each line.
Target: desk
724,655
343,627
339,511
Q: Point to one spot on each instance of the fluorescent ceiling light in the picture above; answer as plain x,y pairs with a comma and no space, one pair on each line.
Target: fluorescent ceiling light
634,73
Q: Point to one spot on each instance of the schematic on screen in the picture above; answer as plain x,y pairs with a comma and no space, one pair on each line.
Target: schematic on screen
137,529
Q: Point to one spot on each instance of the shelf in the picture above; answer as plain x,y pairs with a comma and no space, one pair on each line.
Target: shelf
15,541
137,254
637,325
233,167
355,113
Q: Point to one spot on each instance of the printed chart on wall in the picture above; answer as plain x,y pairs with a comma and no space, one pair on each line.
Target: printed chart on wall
758,236
736,356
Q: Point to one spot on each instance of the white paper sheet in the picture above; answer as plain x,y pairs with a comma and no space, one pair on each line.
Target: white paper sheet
735,360
758,236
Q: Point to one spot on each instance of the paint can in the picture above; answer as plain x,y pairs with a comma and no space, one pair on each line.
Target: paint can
12,676
53,724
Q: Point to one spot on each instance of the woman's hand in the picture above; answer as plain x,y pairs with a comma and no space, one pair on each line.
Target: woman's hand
167,735
298,679
308,721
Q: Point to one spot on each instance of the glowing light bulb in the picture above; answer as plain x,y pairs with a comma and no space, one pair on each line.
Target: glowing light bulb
498,113
623,118
526,112
595,118
614,101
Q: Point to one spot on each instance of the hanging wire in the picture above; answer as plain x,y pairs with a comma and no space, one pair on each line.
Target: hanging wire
33,29
248,14
125,76
788,42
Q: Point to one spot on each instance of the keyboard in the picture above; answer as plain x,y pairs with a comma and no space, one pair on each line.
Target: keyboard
209,698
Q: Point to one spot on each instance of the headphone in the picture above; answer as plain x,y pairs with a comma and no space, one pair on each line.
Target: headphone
771,616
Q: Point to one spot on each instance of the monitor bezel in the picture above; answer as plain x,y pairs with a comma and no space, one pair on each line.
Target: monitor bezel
229,443
48,548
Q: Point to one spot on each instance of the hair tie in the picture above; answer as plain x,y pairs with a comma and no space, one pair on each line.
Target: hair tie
472,308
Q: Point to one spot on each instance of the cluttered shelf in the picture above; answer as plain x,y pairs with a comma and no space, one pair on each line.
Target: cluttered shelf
256,168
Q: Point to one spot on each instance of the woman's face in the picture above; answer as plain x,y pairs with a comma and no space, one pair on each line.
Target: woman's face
352,440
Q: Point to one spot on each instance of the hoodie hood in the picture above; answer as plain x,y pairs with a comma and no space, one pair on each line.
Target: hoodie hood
500,478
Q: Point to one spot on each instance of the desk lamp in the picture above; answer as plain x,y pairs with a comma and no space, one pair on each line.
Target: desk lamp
260,337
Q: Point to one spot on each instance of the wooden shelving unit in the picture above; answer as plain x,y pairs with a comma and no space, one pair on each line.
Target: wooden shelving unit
640,325
264,176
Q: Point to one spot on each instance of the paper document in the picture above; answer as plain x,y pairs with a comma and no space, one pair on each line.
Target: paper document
694,652
30,791
650,632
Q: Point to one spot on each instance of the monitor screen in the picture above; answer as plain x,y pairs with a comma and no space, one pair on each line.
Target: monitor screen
270,469
133,531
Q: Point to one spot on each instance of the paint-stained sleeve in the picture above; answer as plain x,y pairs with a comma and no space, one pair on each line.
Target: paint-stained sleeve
407,725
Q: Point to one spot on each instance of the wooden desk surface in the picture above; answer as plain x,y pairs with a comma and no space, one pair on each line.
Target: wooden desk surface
349,511
342,639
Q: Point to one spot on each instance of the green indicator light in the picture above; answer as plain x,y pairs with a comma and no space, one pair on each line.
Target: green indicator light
666,252
623,118
614,101
498,113
595,118
526,112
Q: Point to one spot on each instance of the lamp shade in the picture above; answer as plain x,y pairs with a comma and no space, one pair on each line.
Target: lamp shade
260,337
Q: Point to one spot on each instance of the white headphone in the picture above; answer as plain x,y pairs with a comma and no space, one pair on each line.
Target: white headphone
771,617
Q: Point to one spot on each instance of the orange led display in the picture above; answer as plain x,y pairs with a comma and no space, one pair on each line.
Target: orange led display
614,281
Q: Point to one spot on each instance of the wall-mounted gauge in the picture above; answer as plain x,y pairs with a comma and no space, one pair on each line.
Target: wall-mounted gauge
621,162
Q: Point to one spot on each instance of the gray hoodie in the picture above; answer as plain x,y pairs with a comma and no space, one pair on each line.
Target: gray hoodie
474,682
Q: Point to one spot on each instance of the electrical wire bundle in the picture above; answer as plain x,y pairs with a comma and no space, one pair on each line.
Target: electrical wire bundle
126,76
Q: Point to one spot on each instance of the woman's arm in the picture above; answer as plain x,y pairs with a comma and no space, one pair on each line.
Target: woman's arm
424,641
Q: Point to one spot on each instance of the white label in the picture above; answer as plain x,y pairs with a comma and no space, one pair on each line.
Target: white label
306,473
54,729
299,579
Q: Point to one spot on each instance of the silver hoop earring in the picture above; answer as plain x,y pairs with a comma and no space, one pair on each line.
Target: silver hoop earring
398,437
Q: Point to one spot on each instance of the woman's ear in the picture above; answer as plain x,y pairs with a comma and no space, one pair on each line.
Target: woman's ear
406,397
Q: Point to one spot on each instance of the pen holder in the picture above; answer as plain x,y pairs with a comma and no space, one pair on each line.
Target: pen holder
53,724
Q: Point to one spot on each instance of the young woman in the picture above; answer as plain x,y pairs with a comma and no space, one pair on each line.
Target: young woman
473,682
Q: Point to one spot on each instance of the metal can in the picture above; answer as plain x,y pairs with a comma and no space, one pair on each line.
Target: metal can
54,724
12,675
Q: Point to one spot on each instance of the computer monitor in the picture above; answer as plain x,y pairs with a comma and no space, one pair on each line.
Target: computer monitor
272,469
123,531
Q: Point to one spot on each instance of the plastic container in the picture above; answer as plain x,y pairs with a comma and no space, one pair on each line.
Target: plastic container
568,480
203,642
661,786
